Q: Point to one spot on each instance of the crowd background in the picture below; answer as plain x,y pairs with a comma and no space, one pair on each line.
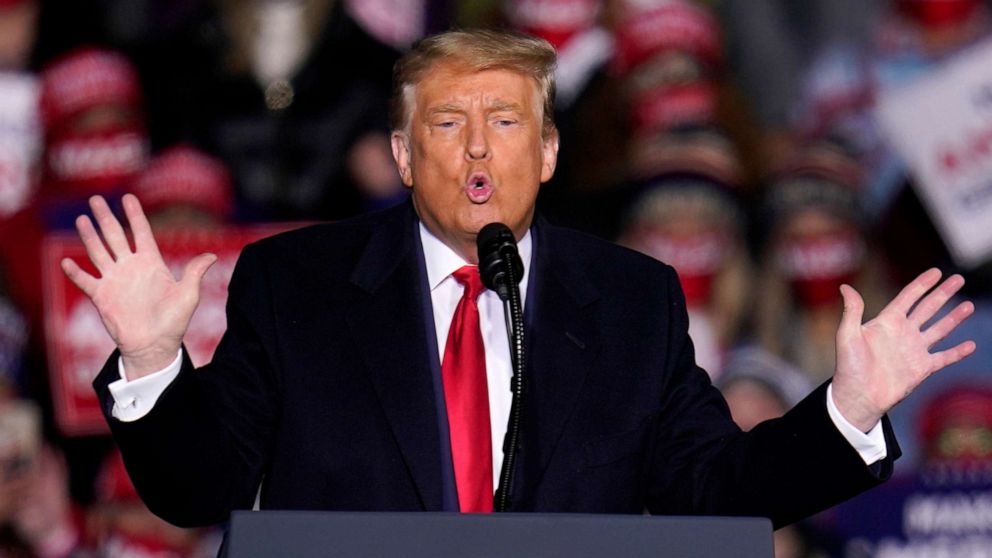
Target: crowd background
733,139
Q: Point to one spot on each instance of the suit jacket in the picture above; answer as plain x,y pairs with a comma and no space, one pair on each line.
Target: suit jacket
324,387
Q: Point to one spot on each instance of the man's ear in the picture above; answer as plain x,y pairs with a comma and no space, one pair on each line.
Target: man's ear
401,154
549,155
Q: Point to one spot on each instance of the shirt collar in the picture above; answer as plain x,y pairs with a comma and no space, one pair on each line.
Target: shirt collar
442,261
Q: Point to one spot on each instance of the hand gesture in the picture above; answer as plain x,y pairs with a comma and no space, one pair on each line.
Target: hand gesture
144,308
880,362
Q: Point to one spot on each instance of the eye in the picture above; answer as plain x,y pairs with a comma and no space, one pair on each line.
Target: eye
505,122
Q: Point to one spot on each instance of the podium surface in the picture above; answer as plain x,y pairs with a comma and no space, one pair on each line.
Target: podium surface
439,535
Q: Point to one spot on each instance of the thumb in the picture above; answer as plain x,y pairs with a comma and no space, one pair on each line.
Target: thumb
196,269
854,309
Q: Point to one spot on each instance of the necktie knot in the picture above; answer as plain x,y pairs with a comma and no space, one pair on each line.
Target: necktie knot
468,277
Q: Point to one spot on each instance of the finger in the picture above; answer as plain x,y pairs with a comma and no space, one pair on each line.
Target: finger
935,333
912,292
144,240
934,301
854,309
94,245
943,359
111,228
196,269
86,282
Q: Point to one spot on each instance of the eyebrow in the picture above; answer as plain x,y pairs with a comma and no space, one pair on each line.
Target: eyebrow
498,106
445,108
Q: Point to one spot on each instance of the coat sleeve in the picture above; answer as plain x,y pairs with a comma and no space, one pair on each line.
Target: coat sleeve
201,451
785,469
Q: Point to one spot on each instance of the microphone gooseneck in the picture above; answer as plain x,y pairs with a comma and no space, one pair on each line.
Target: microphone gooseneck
501,270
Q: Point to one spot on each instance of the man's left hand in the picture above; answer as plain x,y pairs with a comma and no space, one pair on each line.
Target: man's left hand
880,362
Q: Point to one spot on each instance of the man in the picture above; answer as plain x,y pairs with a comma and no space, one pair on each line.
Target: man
331,387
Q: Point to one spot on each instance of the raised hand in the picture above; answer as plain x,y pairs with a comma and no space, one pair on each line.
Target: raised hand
880,362
144,308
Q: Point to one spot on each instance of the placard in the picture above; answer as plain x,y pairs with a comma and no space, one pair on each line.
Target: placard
941,126
77,342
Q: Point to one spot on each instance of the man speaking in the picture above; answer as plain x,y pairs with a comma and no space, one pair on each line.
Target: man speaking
365,368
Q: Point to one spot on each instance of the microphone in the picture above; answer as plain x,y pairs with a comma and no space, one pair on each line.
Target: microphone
501,269
497,251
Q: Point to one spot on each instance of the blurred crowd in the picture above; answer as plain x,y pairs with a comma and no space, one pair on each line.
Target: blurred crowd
737,141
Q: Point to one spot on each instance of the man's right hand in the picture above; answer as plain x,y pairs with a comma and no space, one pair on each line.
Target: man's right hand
144,308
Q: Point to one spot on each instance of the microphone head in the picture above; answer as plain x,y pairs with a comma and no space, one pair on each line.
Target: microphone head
497,250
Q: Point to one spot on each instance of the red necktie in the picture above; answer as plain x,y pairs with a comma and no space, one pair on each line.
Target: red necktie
466,395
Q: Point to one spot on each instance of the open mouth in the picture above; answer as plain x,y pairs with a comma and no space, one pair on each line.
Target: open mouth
478,187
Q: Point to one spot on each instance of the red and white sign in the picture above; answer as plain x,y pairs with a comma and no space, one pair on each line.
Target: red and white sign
941,125
77,343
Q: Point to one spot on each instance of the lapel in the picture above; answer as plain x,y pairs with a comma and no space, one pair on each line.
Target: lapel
562,342
388,323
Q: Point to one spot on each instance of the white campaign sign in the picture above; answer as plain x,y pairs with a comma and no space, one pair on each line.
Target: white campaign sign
20,140
941,125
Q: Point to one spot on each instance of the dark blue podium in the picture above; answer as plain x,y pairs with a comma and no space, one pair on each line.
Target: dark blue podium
440,535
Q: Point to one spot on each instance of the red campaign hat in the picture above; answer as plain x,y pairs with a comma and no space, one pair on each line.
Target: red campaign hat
824,159
184,175
966,405
668,107
87,78
700,151
556,21
5,4
664,26
822,174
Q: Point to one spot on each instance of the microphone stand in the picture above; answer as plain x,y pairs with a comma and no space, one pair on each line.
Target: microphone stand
514,316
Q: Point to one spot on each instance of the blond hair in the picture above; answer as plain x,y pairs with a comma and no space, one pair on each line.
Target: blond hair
477,50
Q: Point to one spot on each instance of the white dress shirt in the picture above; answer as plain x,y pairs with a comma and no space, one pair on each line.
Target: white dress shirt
134,399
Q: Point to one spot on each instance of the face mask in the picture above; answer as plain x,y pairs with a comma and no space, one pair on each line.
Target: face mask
93,162
817,266
696,258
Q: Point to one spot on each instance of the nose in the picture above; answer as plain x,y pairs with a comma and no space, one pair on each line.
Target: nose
476,142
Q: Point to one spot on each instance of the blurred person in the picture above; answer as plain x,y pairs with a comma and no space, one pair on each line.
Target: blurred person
20,150
669,54
290,94
661,72
814,242
18,30
35,508
576,30
95,136
688,215
759,386
119,524
20,127
183,188
956,429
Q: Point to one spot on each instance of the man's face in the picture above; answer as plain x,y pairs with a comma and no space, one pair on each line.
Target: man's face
474,153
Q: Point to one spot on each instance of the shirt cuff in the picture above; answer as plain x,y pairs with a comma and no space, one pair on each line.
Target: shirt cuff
870,446
135,398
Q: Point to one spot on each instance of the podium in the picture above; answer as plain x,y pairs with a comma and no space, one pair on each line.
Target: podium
440,535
